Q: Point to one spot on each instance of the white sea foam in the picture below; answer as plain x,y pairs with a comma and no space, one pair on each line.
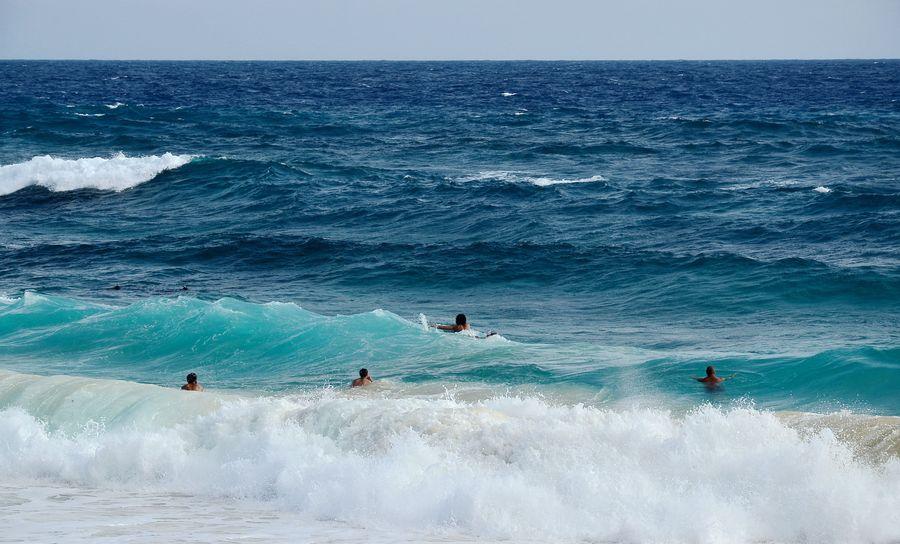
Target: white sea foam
508,94
516,468
541,181
116,173
778,184
682,118
90,114
115,105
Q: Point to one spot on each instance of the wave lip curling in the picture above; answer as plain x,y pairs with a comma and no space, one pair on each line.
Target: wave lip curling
110,174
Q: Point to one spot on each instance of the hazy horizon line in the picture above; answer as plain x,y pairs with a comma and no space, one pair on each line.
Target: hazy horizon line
773,59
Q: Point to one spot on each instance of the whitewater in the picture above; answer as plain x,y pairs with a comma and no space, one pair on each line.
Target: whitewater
116,173
275,227
504,467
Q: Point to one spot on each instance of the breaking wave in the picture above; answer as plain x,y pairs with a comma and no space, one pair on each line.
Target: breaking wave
505,467
116,173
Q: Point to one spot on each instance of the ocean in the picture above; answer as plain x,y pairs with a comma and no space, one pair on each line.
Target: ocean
276,226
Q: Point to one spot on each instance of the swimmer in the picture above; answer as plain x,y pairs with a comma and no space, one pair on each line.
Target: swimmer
364,378
192,384
711,380
462,324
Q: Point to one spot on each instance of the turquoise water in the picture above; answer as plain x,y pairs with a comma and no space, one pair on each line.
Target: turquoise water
280,347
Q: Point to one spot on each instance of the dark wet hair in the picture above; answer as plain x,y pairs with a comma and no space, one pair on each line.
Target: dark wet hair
192,378
710,371
363,372
461,319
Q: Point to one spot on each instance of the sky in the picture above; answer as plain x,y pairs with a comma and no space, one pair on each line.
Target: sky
449,29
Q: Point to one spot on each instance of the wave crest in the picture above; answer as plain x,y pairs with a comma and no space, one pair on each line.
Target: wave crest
113,174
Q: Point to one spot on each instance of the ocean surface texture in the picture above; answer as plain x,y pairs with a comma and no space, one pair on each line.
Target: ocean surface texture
275,226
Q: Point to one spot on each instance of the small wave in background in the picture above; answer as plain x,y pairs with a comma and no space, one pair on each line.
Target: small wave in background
116,173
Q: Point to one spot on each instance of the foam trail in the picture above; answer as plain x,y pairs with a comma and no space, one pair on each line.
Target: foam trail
504,467
540,181
116,173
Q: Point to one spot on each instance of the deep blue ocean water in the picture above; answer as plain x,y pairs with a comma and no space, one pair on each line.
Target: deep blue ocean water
621,224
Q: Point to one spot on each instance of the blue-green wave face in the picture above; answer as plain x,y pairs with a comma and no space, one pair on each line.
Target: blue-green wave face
242,345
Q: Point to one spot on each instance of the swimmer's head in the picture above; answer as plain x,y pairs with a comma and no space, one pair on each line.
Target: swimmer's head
710,371
192,378
461,320
363,373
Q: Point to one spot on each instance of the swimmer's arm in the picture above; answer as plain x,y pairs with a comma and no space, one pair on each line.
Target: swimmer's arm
443,327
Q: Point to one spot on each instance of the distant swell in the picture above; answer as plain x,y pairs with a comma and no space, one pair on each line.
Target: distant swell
114,174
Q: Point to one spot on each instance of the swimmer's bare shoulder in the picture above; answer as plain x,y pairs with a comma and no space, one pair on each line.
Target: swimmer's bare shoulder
711,378
461,324
364,378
